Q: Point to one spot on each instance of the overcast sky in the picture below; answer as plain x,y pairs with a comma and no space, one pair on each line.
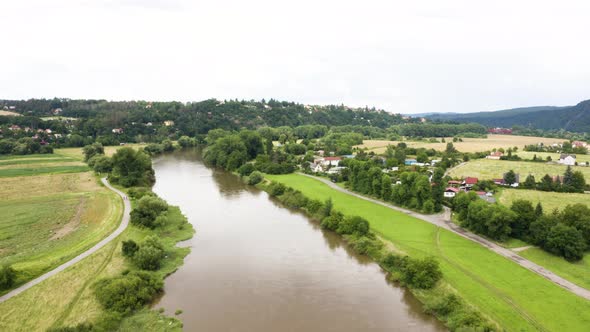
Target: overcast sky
402,56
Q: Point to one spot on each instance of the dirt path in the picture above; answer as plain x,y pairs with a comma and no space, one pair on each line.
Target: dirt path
95,248
443,220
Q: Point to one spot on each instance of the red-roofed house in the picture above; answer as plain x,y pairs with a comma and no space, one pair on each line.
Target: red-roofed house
579,144
454,183
331,161
469,182
495,155
451,192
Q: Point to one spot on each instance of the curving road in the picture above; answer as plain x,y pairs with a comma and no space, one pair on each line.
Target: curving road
95,248
443,220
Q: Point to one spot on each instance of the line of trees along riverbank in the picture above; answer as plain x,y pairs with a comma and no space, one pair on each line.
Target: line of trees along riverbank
422,276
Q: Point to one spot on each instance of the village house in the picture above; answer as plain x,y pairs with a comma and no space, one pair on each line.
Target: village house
14,127
316,167
454,183
495,155
117,130
57,111
336,170
410,162
469,182
579,144
567,159
168,123
451,192
330,161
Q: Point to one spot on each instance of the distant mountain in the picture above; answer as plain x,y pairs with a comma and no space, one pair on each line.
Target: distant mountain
572,118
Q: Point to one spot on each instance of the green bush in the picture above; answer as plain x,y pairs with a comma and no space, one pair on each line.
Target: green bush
276,189
129,248
332,221
421,273
353,225
127,293
150,254
246,169
7,277
255,178
147,210
294,199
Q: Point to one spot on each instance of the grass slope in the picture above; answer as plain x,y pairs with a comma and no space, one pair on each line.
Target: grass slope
68,299
549,200
512,296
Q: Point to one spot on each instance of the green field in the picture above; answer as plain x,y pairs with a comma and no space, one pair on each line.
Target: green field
50,304
487,169
554,156
29,171
549,200
49,219
578,273
514,297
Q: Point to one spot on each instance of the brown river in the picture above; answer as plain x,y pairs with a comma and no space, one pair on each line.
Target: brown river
258,266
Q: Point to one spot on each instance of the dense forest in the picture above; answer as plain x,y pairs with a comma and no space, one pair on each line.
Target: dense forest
571,118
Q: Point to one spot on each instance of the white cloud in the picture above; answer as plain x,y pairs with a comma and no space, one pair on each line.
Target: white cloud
398,55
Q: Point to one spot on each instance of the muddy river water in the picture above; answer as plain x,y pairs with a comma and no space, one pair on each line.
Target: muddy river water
258,266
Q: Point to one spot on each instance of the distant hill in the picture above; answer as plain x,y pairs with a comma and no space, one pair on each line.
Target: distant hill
572,118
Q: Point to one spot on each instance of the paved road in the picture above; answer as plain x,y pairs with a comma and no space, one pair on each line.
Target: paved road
443,220
117,232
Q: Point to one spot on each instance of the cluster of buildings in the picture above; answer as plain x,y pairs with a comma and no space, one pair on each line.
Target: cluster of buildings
500,131
454,187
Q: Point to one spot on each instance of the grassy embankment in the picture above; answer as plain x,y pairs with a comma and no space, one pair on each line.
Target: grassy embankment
48,217
68,299
512,296
468,144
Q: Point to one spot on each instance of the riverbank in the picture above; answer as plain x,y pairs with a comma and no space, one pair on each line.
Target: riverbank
515,298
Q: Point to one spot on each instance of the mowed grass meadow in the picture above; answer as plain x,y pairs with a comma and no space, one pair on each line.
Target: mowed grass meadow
68,299
549,200
468,144
488,169
52,209
516,298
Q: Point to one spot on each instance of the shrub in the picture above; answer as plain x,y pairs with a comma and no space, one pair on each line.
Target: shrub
332,221
147,210
421,273
444,305
102,164
150,254
566,241
428,206
294,199
276,189
127,293
139,192
129,248
7,277
246,169
366,246
354,225
314,206
255,178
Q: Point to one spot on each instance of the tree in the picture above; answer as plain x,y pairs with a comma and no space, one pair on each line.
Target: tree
566,241
421,273
7,277
132,168
92,150
525,215
102,164
150,254
386,187
147,210
538,210
510,177
450,148
438,188
529,182
129,248
255,178
129,292
546,183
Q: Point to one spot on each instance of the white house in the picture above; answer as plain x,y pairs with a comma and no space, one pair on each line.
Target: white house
336,170
331,161
567,159
316,167
451,192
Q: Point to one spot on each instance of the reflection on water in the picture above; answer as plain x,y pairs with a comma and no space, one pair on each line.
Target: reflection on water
257,266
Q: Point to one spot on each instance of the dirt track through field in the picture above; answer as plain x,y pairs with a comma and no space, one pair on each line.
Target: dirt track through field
95,248
443,220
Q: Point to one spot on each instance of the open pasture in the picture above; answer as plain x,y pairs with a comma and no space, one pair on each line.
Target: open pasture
468,144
